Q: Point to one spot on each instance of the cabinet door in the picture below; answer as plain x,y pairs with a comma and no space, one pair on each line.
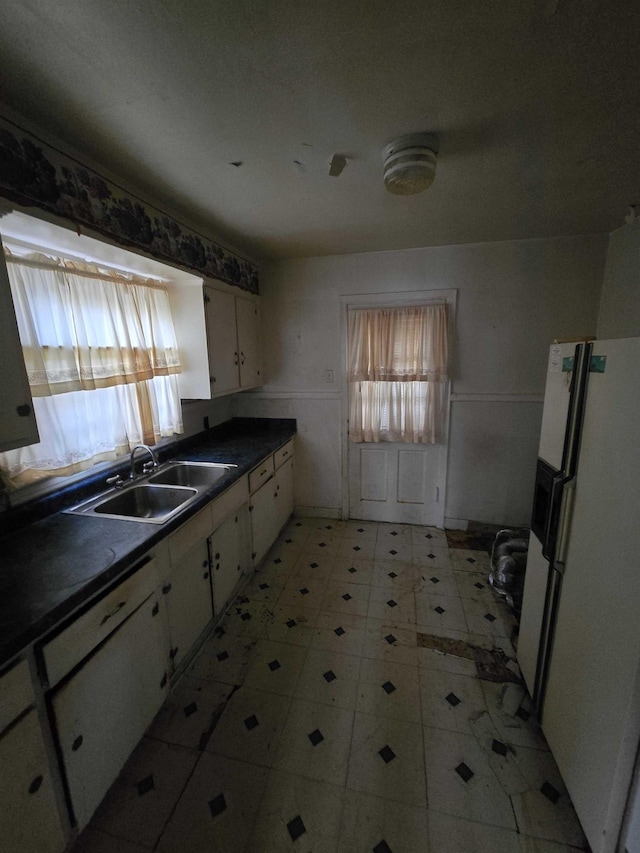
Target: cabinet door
29,818
247,319
284,494
220,313
264,520
17,420
188,598
104,709
225,561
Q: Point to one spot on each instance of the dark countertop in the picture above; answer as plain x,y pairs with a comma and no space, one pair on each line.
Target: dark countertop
50,566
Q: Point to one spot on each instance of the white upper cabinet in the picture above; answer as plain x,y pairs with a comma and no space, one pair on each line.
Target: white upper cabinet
17,419
233,335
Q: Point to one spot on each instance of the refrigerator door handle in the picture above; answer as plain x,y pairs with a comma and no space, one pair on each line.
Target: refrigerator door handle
564,525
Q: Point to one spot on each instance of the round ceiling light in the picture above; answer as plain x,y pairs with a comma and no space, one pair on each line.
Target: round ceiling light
410,163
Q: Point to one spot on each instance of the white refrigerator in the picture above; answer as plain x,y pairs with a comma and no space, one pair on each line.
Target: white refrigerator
579,644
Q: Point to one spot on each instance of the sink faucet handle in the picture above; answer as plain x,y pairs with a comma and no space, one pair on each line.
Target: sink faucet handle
115,481
149,466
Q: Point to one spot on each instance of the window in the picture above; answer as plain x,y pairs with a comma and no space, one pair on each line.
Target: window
398,373
102,361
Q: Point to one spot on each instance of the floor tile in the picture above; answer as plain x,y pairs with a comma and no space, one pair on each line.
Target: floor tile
538,817
466,560
392,574
389,689
293,807
439,611
304,592
450,700
361,549
265,589
94,841
188,713
361,530
276,667
245,618
428,557
339,632
435,581
329,678
292,539
279,560
225,659
138,804
348,570
433,536
474,585
393,606
492,618
387,759
217,809
450,834
394,534
315,742
517,725
347,598
460,781
400,552
313,565
322,542
387,642
291,623
251,726
369,823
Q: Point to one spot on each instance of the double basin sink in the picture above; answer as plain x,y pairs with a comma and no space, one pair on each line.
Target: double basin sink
157,497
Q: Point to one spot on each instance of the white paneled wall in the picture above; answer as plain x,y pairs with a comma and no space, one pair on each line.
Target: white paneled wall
514,298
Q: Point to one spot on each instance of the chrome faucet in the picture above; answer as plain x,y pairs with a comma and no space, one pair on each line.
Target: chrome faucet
147,466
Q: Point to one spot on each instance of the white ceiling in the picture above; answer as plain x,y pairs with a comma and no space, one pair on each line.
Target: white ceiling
536,104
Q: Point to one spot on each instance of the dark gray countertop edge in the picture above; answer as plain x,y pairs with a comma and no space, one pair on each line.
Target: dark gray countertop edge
28,553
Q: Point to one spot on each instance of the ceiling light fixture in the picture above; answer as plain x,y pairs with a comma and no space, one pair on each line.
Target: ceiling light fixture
410,163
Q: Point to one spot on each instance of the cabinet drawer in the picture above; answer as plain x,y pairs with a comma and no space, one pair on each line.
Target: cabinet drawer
74,643
261,474
185,537
16,693
286,452
229,502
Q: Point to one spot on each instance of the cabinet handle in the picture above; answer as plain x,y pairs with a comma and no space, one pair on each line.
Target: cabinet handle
156,609
217,557
163,681
217,567
75,746
166,588
35,785
212,380
118,607
205,563
24,410
238,568
235,358
173,653
242,357
205,575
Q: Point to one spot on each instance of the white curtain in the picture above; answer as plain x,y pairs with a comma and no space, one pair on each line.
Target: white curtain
101,358
398,381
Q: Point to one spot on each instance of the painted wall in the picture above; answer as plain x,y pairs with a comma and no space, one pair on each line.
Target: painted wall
620,304
514,298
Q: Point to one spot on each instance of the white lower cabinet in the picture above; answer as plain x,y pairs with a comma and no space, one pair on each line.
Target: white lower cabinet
229,551
271,505
29,819
187,594
103,710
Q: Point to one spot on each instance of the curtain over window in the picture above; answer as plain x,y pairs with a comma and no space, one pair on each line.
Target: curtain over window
102,362
398,362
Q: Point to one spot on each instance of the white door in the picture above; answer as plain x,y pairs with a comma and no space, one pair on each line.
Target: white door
400,483
264,520
188,600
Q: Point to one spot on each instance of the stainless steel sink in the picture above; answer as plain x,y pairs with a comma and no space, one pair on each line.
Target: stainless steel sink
157,498
195,474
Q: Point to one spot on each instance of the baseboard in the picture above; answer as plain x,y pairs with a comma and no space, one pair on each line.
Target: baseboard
317,512
456,523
